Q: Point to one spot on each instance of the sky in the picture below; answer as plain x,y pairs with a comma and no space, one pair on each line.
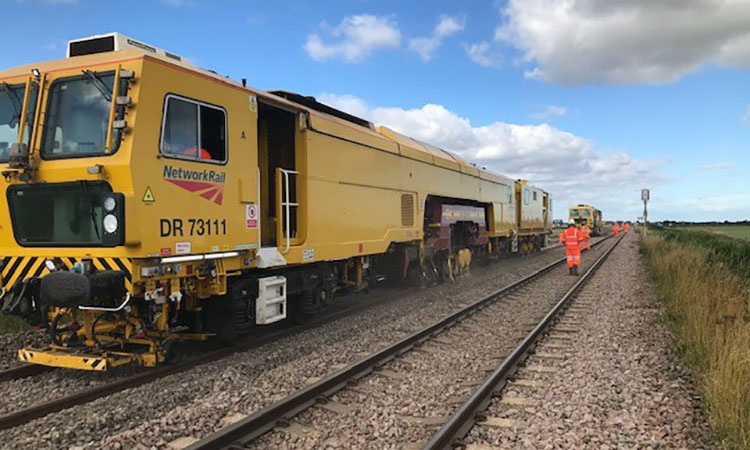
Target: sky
591,100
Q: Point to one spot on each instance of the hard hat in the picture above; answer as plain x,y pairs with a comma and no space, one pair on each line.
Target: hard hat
572,221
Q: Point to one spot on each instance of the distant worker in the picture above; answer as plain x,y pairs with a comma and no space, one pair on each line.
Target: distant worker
616,229
561,237
572,238
627,227
586,237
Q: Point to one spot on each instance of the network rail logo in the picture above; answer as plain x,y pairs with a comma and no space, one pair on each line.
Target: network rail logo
209,184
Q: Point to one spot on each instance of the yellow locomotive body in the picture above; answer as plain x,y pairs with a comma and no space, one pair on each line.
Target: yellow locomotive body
534,216
587,215
149,202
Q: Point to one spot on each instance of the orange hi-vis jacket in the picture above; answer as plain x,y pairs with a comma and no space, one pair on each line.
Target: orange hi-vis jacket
586,237
561,237
627,227
615,229
573,237
573,240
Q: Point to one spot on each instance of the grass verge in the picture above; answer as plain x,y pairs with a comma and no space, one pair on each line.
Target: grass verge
11,324
708,308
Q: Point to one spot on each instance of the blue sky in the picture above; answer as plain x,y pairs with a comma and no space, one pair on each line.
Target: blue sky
600,101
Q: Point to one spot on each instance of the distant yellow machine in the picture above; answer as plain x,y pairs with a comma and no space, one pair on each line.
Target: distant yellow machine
587,215
149,202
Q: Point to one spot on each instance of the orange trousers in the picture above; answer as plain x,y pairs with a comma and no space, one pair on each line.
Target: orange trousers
573,255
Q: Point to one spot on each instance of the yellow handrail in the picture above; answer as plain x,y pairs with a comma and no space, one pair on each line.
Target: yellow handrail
24,111
113,110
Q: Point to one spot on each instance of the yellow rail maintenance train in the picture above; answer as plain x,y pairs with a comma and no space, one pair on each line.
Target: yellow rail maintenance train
148,202
587,215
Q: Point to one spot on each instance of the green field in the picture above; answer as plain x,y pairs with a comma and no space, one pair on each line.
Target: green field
734,231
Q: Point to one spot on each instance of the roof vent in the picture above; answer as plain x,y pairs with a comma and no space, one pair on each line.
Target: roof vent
112,42
311,103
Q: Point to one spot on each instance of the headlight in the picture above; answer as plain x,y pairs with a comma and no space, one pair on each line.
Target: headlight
109,204
110,223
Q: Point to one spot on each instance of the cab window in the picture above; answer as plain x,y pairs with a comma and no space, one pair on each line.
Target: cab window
193,130
526,196
77,116
534,195
11,106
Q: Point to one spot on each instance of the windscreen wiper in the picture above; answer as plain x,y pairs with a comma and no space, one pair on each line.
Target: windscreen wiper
17,106
106,93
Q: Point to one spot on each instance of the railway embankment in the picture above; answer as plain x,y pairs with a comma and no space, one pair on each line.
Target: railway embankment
704,284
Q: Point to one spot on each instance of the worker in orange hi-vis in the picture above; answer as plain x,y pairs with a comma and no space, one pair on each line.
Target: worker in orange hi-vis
561,237
586,237
573,247
616,229
626,225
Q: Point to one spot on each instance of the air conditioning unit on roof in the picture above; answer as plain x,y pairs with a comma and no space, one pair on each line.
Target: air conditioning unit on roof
112,42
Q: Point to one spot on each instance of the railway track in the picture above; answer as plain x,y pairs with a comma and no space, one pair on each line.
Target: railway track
30,370
469,413
90,394
243,433
24,371
150,375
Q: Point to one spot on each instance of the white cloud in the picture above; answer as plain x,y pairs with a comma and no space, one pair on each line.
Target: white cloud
256,20
355,38
551,111
483,54
178,3
637,41
718,166
715,206
746,117
426,47
570,166
347,103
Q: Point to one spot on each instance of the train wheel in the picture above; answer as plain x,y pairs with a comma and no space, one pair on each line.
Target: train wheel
174,350
304,307
63,330
414,275
243,314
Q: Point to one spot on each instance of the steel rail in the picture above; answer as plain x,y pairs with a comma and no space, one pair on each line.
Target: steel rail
30,413
468,413
282,411
23,371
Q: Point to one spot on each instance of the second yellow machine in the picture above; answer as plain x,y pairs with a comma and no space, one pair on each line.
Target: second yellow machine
149,202
587,215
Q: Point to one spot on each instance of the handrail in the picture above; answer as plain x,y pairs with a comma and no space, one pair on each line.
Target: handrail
36,131
24,112
287,204
100,308
112,111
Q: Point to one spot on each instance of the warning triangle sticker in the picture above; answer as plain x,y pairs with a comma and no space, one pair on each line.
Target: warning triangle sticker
148,196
